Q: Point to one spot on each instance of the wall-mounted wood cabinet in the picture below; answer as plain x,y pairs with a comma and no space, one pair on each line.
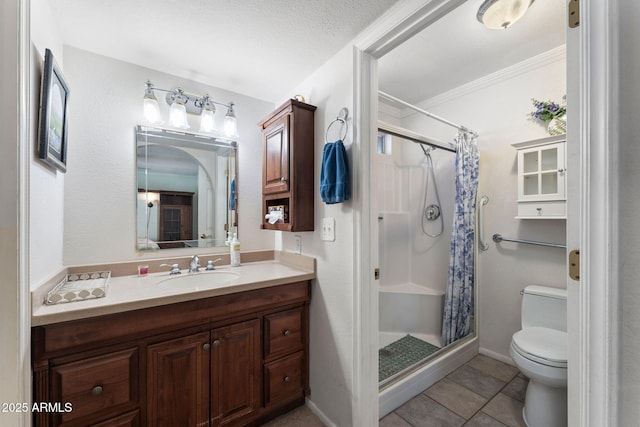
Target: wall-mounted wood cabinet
288,167
237,359
542,178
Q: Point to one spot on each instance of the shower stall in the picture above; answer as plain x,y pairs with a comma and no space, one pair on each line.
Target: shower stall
416,198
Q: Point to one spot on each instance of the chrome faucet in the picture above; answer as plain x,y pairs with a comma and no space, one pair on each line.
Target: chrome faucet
194,265
175,268
211,264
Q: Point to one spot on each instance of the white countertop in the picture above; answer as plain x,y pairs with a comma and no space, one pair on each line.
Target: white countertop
127,293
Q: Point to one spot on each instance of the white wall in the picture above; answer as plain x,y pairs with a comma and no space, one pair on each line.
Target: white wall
629,37
46,198
100,185
498,111
331,362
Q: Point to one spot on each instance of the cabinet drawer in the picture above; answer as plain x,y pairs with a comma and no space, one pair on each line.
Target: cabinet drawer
96,384
283,333
555,209
283,379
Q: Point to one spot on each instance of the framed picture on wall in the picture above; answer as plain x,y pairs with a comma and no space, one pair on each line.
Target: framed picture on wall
52,129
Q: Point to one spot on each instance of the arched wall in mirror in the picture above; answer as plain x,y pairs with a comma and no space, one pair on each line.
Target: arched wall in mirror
186,194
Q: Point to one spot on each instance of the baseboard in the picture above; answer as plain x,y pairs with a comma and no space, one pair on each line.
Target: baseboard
497,356
318,413
397,394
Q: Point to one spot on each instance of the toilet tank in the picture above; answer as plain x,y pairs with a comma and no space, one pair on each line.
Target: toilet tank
544,306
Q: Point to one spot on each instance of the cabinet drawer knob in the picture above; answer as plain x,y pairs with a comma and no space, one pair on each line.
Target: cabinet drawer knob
97,390
286,379
286,333
216,343
539,209
206,347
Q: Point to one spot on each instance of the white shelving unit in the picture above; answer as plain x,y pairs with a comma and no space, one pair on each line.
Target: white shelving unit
542,178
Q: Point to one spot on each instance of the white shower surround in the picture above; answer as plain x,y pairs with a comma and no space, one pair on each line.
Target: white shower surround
414,266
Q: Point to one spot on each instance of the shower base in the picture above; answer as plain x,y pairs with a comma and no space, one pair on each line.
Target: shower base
401,354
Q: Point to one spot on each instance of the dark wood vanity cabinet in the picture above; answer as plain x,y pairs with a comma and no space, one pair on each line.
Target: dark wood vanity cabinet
231,360
288,166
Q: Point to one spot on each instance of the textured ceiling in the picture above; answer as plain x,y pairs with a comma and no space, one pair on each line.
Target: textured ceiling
264,48
458,49
260,48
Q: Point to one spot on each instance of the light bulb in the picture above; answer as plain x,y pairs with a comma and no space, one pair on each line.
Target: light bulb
207,116
178,115
150,107
207,121
151,110
230,122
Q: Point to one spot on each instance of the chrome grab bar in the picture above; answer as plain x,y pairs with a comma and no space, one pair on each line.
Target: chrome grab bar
498,238
482,245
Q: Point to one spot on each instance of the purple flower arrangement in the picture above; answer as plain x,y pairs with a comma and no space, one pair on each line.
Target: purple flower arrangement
548,110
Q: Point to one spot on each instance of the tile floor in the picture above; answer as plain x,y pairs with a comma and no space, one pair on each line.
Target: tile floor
482,393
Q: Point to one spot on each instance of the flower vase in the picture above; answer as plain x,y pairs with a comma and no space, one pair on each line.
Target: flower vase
557,125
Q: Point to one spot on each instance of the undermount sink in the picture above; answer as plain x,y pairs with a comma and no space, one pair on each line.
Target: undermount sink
202,280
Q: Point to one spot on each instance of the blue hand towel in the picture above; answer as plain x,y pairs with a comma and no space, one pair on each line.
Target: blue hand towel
232,196
334,175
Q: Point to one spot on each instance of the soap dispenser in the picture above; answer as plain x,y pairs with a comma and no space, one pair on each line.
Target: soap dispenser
235,251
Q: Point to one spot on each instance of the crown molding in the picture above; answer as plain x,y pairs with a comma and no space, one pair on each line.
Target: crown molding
549,57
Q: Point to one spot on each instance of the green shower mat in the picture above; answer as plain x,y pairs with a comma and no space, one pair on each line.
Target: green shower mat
401,354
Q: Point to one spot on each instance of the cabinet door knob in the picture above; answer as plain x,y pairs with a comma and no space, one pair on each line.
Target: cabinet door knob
561,170
206,347
286,379
286,333
216,343
97,390
283,179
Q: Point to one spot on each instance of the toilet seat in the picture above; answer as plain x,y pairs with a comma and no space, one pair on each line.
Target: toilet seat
542,345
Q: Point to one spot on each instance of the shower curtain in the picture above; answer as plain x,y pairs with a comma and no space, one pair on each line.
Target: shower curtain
458,309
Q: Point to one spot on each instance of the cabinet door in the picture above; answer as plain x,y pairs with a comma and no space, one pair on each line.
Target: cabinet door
276,157
541,173
178,382
235,372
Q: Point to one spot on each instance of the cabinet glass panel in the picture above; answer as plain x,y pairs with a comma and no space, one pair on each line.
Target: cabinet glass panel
530,161
530,185
549,159
549,183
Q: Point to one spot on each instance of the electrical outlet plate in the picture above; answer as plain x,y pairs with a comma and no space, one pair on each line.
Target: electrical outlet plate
328,233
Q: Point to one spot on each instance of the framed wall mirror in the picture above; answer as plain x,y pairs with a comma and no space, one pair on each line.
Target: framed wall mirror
186,189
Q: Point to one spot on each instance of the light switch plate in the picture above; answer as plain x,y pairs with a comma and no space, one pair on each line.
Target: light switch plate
298,244
328,229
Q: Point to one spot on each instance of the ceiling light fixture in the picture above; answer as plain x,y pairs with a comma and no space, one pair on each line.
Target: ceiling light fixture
182,103
500,14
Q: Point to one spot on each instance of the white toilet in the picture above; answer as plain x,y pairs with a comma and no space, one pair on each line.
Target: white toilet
540,351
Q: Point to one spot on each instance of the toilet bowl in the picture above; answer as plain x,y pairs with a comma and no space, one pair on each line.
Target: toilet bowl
539,350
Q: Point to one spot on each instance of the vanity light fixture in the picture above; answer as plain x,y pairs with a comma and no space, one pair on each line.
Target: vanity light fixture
182,103
230,122
500,14
151,109
178,111
207,116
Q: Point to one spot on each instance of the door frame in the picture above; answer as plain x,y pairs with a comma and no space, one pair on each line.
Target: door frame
592,133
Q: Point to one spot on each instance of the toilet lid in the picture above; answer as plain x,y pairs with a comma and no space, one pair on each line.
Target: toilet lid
543,345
